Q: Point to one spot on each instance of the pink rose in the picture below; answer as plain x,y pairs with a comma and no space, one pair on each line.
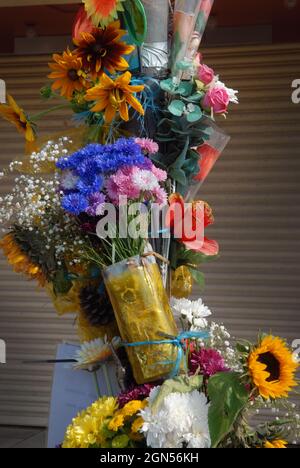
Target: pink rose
205,74
218,99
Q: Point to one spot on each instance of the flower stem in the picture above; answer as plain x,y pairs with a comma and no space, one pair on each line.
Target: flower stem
36,117
97,384
107,380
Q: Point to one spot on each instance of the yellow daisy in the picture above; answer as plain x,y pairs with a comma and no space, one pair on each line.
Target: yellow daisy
116,422
272,368
15,115
113,96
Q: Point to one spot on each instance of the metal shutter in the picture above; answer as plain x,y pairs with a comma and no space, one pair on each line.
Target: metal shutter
254,190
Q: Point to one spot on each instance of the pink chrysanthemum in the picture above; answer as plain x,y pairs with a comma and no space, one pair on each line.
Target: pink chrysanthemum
148,146
161,196
159,174
209,361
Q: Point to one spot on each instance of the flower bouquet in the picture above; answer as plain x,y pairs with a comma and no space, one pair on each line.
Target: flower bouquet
104,218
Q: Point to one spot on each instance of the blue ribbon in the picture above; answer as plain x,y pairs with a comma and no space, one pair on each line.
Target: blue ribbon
175,341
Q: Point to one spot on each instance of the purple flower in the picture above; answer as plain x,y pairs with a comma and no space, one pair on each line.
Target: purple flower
209,361
74,203
137,393
96,203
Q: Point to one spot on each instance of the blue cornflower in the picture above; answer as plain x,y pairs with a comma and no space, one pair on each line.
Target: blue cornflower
74,203
90,184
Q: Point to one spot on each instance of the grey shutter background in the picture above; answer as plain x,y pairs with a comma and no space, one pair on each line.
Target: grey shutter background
254,190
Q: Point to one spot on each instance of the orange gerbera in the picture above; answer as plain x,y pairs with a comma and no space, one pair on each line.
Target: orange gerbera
15,115
102,49
103,11
114,96
68,74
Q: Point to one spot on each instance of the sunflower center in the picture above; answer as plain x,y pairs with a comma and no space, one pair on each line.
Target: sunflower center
73,75
99,49
273,366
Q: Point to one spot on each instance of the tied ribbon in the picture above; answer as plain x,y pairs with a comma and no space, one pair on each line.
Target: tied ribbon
176,341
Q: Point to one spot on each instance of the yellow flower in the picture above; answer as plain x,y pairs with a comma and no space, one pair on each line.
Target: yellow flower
68,74
20,261
137,425
276,444
15,115
87,428
272,368
103,11
133,407
115,96
102,49
117,422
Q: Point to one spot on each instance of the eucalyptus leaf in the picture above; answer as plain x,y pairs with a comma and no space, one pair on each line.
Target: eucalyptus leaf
176,108
228,397
182,384
195,115
181,159
184,65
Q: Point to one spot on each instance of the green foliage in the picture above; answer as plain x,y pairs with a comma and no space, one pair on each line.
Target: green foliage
120,441
228,397
135,20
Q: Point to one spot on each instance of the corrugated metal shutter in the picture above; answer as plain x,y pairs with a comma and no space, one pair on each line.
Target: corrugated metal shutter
28,322
254,190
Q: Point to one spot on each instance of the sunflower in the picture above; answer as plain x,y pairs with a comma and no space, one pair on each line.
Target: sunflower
114,96
68,74
275,444
102,49
15,115
103,11
20,261
272,368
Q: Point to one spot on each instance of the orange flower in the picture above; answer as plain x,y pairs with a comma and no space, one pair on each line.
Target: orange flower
15,115
200,214
102,49
103,11
68,74
114,96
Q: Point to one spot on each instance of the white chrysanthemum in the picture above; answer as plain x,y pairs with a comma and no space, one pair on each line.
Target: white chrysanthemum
93,353
193,311
231,92
181,419
145,180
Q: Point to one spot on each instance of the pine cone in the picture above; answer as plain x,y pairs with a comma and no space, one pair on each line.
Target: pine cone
96,306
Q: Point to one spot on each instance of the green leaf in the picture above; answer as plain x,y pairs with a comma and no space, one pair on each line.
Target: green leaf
168,86
120,441
135,20
181,159
198,277
195,115
228,398
182,384
185,88
179,176
176,108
